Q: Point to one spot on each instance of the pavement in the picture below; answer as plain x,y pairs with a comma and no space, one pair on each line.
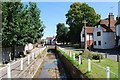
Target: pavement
15,65
32,68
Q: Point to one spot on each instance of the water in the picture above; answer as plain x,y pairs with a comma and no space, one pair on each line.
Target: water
52,67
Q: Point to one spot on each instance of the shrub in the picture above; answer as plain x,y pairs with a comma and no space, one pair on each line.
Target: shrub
86,54
96,56
90,55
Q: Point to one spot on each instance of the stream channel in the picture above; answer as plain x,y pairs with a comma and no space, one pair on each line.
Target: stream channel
52,66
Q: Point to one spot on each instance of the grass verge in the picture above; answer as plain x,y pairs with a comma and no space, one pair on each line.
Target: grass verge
96,71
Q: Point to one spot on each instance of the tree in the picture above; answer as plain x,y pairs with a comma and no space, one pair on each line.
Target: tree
10,24
62,31
36,25
76,14
20,25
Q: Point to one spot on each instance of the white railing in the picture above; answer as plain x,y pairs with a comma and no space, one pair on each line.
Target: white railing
107,69
6,72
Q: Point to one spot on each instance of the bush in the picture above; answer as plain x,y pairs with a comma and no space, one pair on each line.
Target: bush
96,56
86,54
90,55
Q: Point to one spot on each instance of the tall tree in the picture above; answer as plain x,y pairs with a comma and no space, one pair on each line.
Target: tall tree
62,31
10,23
76,14
36,25
20,25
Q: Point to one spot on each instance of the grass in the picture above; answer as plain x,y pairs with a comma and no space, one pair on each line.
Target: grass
96,72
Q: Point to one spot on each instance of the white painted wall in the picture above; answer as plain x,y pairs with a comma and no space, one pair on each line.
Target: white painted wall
87,37
106,37
118,32
97,38
47,41
119,8
109,39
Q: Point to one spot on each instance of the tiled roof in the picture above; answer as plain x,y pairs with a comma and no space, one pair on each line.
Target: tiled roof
48,38
105,25
89,29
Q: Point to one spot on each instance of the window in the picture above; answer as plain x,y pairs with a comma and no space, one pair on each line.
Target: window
83,35
94,42
99,42
98,33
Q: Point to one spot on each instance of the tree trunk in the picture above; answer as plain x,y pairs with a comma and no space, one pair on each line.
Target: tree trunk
13,53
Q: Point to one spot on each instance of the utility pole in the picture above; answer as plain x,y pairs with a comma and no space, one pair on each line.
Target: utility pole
85,39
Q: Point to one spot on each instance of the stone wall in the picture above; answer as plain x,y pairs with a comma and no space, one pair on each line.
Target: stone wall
71,69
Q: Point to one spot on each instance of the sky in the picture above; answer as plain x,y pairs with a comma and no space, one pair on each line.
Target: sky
53,13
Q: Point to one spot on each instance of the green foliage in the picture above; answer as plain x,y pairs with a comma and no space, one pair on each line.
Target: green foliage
96,56
89,55
96,72
20,24
62,31
86,54
75,16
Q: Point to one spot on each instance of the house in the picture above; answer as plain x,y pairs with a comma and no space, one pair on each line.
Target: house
89,36
50,40
119,8
118,26
117,31
104,33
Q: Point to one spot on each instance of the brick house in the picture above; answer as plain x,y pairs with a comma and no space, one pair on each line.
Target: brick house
89,36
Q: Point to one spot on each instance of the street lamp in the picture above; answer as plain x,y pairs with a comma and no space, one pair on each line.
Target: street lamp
85,40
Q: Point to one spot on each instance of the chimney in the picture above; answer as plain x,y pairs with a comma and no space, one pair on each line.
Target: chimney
111,20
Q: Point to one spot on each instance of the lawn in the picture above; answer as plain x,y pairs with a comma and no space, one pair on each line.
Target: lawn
96,71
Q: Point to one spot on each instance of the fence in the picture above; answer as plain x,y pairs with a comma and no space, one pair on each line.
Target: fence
90,63
6,53
10,70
